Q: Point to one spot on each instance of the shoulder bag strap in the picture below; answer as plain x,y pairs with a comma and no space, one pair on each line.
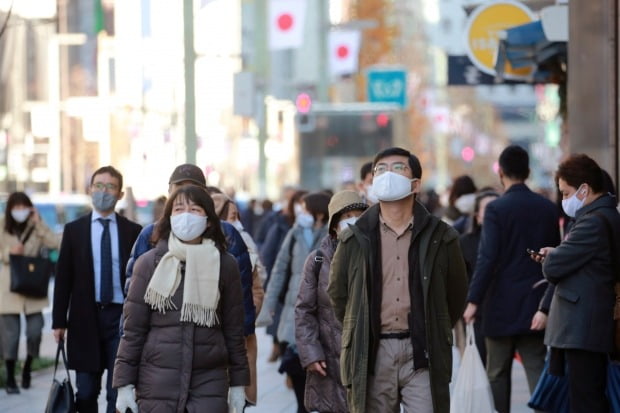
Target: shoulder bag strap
27,236
318,263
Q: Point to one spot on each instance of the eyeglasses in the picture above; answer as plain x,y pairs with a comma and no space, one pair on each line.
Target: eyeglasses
100,186
398,167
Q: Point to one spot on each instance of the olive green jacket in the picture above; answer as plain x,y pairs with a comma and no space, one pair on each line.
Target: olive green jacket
444,289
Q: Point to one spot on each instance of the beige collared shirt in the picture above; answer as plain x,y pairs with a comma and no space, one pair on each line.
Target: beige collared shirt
396,304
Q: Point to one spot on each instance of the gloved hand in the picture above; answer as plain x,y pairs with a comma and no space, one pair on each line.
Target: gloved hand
236,399
126,399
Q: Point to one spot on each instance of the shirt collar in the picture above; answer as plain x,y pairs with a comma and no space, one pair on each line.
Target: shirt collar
385,225
96,215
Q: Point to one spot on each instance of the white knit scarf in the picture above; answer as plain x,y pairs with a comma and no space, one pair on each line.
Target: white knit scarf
201,292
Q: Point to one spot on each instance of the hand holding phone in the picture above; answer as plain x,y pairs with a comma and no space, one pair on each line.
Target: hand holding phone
535,255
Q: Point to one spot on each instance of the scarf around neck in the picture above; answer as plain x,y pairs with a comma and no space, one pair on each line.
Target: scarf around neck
201,292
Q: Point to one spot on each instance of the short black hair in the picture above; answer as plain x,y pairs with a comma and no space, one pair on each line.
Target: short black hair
317,203
365,170
515,162
115,173
414,162
580,169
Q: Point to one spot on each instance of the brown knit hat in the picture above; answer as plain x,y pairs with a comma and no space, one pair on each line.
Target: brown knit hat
342,202
188,172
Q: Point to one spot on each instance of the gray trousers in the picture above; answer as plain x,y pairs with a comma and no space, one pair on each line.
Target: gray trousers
500,354
396,383
11,332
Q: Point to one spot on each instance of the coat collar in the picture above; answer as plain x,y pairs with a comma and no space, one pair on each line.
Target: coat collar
520,187
604,201
369,220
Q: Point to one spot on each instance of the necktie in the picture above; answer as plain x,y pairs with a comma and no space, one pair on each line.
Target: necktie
106,291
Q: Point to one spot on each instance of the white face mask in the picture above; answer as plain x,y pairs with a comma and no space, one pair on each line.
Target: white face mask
305,220
390,186
573,204
187,227
20,215
238,225
344,224
297,209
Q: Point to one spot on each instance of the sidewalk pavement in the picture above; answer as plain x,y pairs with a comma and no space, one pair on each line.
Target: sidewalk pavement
273,395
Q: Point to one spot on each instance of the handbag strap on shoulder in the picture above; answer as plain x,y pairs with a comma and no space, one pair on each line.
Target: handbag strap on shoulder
61,350
27,236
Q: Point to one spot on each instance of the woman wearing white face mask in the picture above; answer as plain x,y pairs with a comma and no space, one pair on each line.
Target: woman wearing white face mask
185,294
305,236
317,331
23,233
580,326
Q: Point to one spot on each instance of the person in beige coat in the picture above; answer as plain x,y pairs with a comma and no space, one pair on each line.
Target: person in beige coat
21,221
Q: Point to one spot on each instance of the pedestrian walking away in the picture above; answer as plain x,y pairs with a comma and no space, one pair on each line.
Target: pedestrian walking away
88,291
507,288
397,284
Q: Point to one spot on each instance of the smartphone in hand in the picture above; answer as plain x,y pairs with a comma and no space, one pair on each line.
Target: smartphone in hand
534,254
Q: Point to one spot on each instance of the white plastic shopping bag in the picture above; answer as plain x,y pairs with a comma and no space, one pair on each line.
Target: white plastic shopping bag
472,392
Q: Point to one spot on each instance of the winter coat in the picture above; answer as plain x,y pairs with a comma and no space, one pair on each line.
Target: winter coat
181,367
41,236
271,245
301,249
318,334
506,280
236,247
436,266
581,267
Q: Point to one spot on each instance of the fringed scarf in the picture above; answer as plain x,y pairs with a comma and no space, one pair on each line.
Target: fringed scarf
201,292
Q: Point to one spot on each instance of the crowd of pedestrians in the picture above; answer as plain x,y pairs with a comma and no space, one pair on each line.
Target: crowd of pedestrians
365,292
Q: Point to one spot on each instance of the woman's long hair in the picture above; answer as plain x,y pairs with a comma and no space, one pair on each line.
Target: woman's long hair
10,225
201,198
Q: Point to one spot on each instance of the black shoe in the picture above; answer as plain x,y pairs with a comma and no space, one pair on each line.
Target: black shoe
26,380
11,386
12,389
26,373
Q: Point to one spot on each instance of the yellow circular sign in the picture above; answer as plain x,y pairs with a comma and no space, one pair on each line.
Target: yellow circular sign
482,31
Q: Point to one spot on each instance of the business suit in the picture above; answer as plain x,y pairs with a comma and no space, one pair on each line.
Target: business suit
75,305
503,284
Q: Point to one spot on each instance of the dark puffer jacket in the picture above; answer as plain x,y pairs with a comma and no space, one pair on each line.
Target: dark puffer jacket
318,334
181,367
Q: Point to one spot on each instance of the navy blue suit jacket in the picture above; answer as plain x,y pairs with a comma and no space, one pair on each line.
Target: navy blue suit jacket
506,283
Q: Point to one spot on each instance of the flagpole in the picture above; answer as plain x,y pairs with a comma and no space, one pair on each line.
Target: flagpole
189,62
324,27
261,69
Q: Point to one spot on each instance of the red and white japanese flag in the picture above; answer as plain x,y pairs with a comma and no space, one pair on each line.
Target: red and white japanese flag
286,23
344,47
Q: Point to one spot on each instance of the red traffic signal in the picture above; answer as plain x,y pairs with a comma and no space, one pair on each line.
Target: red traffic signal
303,103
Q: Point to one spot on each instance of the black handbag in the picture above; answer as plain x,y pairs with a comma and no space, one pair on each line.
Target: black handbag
61,398
30,276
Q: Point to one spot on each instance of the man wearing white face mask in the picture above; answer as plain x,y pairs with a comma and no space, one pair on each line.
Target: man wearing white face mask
397,283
